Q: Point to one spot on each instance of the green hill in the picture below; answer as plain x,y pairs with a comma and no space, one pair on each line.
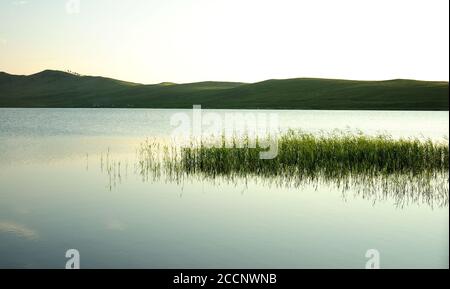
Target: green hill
59,89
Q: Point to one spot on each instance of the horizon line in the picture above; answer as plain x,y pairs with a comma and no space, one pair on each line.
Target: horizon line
74,73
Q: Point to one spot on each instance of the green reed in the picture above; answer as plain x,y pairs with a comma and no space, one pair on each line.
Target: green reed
332,155
398,168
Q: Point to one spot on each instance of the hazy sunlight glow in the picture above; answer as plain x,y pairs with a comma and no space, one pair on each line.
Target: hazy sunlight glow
247,40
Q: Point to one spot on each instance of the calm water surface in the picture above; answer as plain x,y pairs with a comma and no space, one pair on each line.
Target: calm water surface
56,195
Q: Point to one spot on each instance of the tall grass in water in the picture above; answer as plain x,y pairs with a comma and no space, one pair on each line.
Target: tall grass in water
330,155
399,168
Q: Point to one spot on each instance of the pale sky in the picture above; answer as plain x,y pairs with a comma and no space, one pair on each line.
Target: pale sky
151,41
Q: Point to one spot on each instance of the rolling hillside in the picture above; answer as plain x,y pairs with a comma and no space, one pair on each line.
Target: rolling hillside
59,89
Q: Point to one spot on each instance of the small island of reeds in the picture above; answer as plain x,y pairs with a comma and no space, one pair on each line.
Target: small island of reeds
410,168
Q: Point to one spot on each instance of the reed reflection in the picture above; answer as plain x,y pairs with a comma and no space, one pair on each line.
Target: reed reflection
407,171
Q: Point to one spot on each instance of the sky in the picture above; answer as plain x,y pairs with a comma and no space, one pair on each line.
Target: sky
152,41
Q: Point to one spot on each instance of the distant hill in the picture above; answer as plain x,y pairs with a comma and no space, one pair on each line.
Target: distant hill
51,88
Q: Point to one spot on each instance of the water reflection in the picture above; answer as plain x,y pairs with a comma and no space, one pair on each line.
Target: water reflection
116,170
18,230
158,161
56,175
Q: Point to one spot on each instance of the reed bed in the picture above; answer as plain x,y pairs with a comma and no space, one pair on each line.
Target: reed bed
332,155
367,165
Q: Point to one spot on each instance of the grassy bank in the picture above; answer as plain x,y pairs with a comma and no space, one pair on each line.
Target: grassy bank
60,89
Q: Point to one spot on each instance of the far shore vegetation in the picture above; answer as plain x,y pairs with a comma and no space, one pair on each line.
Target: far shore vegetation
59,89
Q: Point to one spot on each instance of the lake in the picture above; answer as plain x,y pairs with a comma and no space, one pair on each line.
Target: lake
56,194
